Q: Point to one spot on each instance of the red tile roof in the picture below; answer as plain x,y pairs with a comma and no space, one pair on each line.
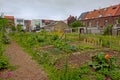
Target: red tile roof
111,11
118,11
104,12
9,17
96,13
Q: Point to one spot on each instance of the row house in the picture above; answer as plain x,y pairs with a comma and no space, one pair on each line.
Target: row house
16,21
29,25
36,24
101,17
20,21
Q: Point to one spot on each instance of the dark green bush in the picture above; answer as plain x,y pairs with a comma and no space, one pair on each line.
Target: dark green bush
55,37
40,39
3,62
108,30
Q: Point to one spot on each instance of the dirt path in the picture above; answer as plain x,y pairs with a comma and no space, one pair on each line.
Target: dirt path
27,68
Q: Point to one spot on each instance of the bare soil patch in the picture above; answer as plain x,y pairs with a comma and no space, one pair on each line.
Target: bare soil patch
79,58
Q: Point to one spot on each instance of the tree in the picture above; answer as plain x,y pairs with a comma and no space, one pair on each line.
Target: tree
4,23
76,24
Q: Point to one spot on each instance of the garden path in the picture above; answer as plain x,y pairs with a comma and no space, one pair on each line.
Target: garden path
27,68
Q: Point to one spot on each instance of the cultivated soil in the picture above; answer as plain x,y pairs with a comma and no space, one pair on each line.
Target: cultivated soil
26,67
79,58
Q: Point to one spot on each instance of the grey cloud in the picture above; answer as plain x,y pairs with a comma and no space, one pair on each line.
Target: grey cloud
51,9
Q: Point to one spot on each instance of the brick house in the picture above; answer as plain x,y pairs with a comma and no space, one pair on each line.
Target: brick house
102,17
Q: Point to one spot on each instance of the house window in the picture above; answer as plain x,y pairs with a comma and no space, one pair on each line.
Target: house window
90,24
97,24
19,20
116,21
106,22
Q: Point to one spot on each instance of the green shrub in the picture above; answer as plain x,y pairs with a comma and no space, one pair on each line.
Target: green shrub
43,57
5,39
3,62
55,37
115,74
99,76
40,39
108,30
102,62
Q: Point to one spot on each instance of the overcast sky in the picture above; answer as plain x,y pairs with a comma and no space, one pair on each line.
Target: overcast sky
51,9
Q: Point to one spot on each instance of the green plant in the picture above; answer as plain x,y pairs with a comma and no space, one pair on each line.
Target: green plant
108,30
55,37
119,20
101,62
64,46
85,47
105,43
99,76
40,39
13,28
43,57
5,39
104,64
1,49
3,62
115,74
19,28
